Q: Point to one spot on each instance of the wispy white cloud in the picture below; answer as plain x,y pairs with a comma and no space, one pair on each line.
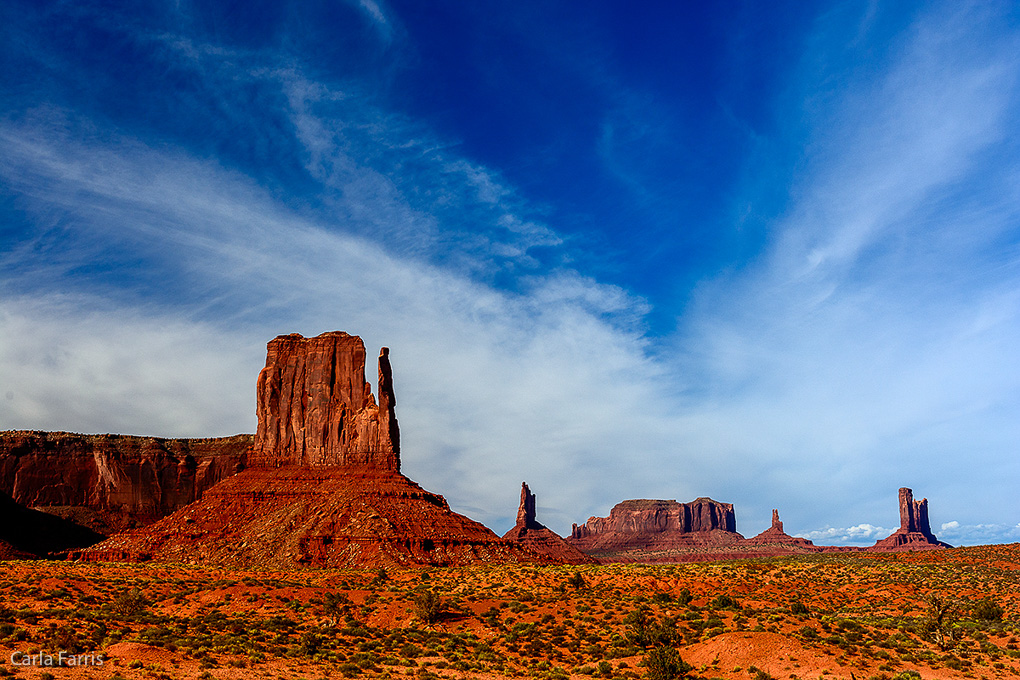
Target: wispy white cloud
872,341
876,332
493,386
374,10
956,533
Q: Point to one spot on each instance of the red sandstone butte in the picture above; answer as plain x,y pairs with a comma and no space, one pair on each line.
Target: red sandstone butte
529,533
111,482
324,487
315,407
657,526
914,532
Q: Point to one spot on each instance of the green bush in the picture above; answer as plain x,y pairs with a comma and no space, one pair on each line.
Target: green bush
723,601
664,663
429,606
577,581
129,603
987,610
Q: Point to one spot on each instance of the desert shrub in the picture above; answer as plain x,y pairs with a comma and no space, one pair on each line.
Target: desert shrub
684,597
349,670
577,581
65,638
309,644
637,628
798,608
987,610
808,632
335,606
723,601
939,623
907,675
664,663
129,603
428,606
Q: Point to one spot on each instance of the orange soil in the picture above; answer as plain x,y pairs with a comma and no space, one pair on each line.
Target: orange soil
863,617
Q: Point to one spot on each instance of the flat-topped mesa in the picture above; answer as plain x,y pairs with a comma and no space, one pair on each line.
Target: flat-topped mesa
657,525
644,516
914,532
315,407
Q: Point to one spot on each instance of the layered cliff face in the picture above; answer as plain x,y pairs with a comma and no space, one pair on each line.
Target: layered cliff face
315,407
550,546
110,482
658,525
324,488
914,532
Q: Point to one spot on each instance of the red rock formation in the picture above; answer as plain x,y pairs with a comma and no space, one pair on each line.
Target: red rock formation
657,525
315,408
314,516
110,482
775,536
526,511
324,488
914,532
543,541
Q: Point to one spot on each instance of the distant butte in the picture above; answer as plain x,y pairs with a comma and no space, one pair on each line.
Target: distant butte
541,540
775,535
637,527
324,486
914,532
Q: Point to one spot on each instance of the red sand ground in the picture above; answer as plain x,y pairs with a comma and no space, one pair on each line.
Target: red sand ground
865,618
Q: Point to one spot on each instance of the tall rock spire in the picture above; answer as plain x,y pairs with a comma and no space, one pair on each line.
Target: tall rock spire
914,532
526,510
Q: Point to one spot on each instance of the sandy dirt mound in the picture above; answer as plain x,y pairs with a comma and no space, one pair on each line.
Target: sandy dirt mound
776,654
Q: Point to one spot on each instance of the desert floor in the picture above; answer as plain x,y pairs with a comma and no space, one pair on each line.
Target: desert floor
941,614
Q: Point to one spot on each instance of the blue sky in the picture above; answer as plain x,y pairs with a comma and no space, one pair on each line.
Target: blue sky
763,252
